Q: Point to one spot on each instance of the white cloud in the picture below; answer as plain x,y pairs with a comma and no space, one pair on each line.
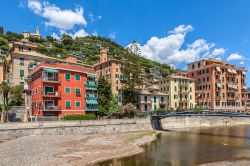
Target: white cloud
242,62
169,49
80,33
35,6
235,56
57,17
95,33
55,36
112,35
218,51
94,18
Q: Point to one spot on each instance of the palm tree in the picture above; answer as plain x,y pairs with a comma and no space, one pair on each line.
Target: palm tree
4,90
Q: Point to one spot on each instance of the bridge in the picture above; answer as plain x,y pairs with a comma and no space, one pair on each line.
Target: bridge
156,118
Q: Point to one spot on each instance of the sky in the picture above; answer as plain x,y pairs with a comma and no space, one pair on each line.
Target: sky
175,32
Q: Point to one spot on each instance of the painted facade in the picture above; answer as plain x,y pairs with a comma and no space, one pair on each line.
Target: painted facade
219,85
110,69
181,91
60,89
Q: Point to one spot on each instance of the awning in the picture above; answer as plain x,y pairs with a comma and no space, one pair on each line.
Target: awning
51,70
91,101
219,85
217,68
91,75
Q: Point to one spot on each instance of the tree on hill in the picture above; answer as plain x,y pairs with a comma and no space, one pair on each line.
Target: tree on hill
1,31
11,36
4,44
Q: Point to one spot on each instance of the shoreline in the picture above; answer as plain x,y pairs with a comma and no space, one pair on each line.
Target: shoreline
87,148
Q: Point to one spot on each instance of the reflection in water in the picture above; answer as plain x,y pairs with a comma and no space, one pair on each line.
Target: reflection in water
193,147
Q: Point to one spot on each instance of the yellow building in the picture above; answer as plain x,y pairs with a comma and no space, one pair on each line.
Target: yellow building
181,91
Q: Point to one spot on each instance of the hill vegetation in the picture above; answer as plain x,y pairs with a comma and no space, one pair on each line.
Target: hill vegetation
88,47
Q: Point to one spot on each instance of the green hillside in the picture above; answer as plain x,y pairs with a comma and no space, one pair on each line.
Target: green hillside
87,47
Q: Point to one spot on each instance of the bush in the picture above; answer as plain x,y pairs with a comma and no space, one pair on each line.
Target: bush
79,117
129,109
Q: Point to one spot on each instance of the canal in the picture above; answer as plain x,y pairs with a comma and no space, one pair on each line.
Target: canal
192,147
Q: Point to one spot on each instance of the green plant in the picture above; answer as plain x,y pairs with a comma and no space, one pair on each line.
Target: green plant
79,117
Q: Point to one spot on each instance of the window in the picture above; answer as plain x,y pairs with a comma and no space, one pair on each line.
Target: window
77,77
77,104
48,89
30,49
223,86
67,104
67,90
67,76
154,99
77,91
116,82
116,69
145,98
21,61
192,66
175,88
199,65
22,73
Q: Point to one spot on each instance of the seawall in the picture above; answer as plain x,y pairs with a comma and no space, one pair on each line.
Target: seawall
203,121
14,130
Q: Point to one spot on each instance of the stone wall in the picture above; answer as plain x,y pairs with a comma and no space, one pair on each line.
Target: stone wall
14,130
202,121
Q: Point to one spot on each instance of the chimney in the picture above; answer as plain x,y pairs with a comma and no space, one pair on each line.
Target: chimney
103,55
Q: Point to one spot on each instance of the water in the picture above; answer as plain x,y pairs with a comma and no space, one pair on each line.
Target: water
192,147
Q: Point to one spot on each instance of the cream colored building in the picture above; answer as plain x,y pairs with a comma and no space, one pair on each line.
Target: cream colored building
150,99
25,58
181,91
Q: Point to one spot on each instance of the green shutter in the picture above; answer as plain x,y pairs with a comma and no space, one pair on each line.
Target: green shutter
22,73
78,104
67,76
77,77
67,90
77,90
67,103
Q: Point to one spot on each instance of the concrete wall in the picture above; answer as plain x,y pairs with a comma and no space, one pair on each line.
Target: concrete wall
201,121
14,130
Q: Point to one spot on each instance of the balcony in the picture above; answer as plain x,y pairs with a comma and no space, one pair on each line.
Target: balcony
52,94
51,108
90,83
51,79
91,88
90,95
184,91
183,83
91,108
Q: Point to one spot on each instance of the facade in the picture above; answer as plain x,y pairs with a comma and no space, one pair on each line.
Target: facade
25,58
26,35
219,85
60,89
110,69
150,99
181,91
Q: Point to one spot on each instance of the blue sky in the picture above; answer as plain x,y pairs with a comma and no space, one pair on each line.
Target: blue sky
175,32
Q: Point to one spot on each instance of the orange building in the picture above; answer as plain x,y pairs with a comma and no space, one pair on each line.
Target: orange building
219,85
110,69
60,89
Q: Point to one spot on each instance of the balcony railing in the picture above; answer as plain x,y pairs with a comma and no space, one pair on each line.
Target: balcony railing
51,79
52,108
90,83
89,95
183,91
89,108
91,88
52,94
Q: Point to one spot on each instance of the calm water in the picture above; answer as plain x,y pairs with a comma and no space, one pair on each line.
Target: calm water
193,147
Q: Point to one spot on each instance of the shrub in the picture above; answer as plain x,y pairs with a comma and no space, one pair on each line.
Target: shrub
79,117
129,109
